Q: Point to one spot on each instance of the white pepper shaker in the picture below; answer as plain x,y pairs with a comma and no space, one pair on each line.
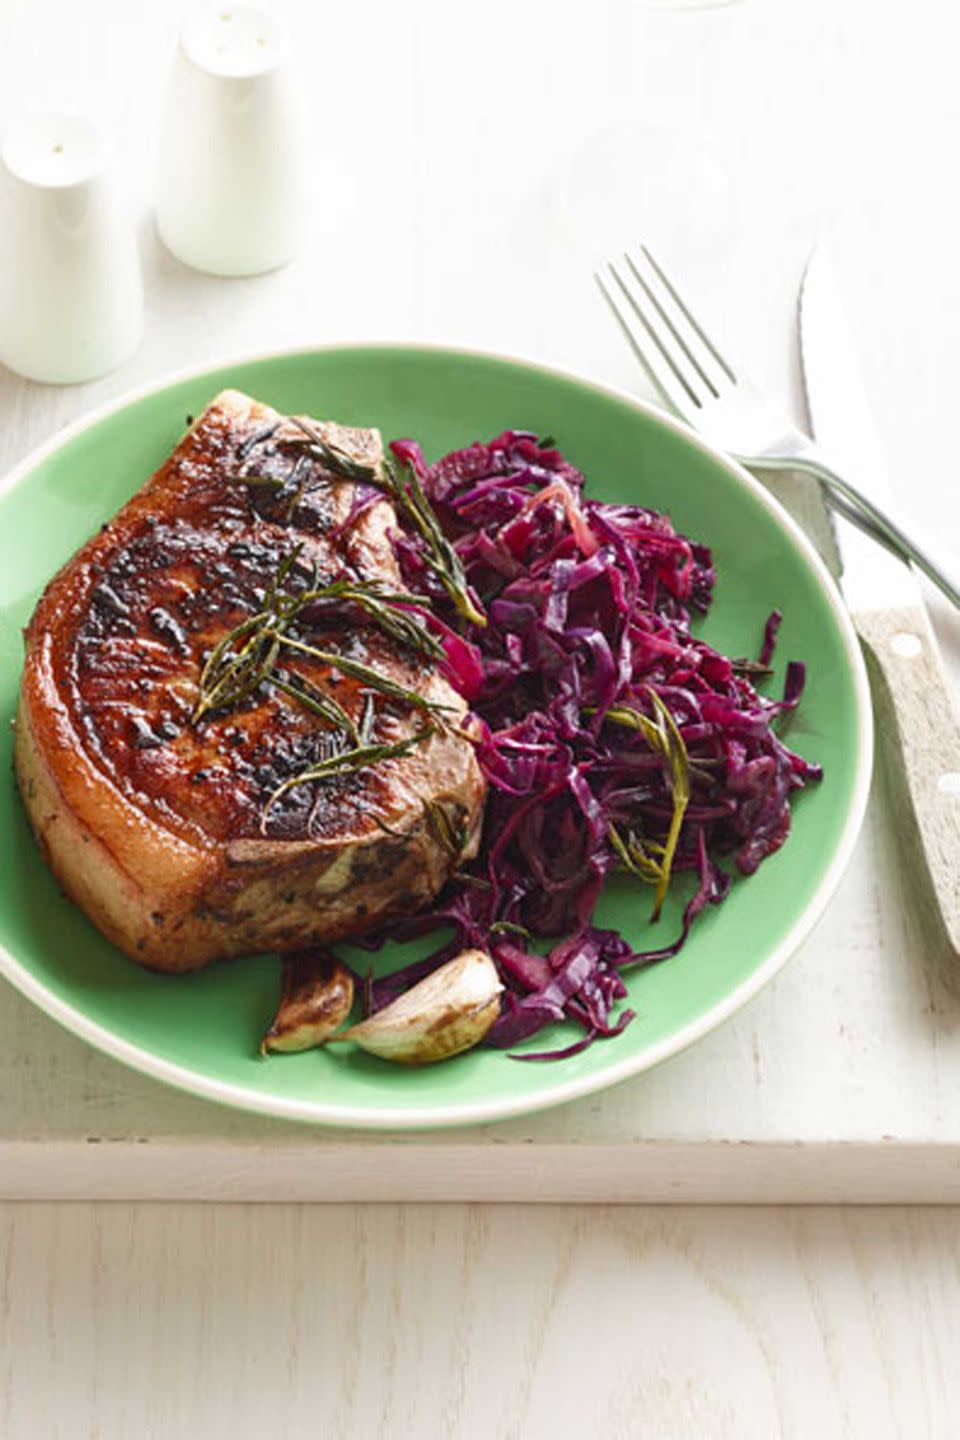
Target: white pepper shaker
71,291
229,191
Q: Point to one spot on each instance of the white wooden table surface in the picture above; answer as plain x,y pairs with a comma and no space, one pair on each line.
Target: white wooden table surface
471,166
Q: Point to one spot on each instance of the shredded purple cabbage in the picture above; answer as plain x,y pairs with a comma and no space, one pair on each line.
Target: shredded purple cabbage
588,607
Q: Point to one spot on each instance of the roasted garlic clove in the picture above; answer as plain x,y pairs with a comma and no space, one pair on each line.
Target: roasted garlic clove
449,1011
315,999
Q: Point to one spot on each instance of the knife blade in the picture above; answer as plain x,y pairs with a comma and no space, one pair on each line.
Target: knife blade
917,718
845,428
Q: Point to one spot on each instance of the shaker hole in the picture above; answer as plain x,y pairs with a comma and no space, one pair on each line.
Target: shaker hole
906,644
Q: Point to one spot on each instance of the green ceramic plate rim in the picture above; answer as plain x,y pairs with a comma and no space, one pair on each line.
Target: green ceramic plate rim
195,1082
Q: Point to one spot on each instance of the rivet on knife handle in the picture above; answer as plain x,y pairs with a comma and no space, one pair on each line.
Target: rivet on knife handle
919,731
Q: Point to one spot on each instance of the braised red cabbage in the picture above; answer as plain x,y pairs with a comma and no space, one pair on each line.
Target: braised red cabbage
587,642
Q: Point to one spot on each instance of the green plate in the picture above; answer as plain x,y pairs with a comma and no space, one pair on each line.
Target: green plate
201,1031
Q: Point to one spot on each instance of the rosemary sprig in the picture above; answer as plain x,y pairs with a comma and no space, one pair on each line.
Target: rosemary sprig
651,861
335,459
243,659
408,495
441,557
385,607
232,673
312,444
248,656
347,762
358,671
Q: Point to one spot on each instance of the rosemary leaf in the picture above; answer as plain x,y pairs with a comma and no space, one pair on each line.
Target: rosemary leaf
347,762
676,754
751,668
633,854
358,671
324,706
226,678
448,836
335,459
664,738
266,482
507,927
283,570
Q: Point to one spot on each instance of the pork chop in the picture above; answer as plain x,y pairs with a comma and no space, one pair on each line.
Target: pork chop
168,829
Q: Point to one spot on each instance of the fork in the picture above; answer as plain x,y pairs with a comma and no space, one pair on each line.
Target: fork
726,408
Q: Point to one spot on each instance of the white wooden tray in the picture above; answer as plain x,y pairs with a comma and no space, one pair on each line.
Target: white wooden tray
841,1081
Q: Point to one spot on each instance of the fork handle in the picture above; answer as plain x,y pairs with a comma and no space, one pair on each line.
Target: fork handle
919,732
880,522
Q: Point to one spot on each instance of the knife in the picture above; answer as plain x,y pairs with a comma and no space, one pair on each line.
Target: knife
913,702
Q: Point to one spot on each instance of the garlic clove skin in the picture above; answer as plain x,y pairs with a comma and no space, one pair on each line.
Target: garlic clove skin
316,997
448,1012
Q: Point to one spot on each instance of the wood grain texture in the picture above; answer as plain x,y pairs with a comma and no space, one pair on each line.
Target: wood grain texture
155,1323
918,729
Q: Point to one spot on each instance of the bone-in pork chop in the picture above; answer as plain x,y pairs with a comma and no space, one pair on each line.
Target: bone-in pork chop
169,828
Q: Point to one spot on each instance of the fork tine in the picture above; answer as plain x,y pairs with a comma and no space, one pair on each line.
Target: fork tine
685,311
645,345
687,350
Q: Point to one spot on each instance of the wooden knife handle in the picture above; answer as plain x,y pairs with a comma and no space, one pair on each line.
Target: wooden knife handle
918,733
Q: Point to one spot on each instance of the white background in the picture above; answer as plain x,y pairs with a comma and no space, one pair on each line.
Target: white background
470,165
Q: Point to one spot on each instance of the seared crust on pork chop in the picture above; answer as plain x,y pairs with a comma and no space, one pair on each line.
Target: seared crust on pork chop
158,825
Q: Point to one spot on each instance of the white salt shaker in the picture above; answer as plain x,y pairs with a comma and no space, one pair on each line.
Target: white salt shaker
71,291
229,186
